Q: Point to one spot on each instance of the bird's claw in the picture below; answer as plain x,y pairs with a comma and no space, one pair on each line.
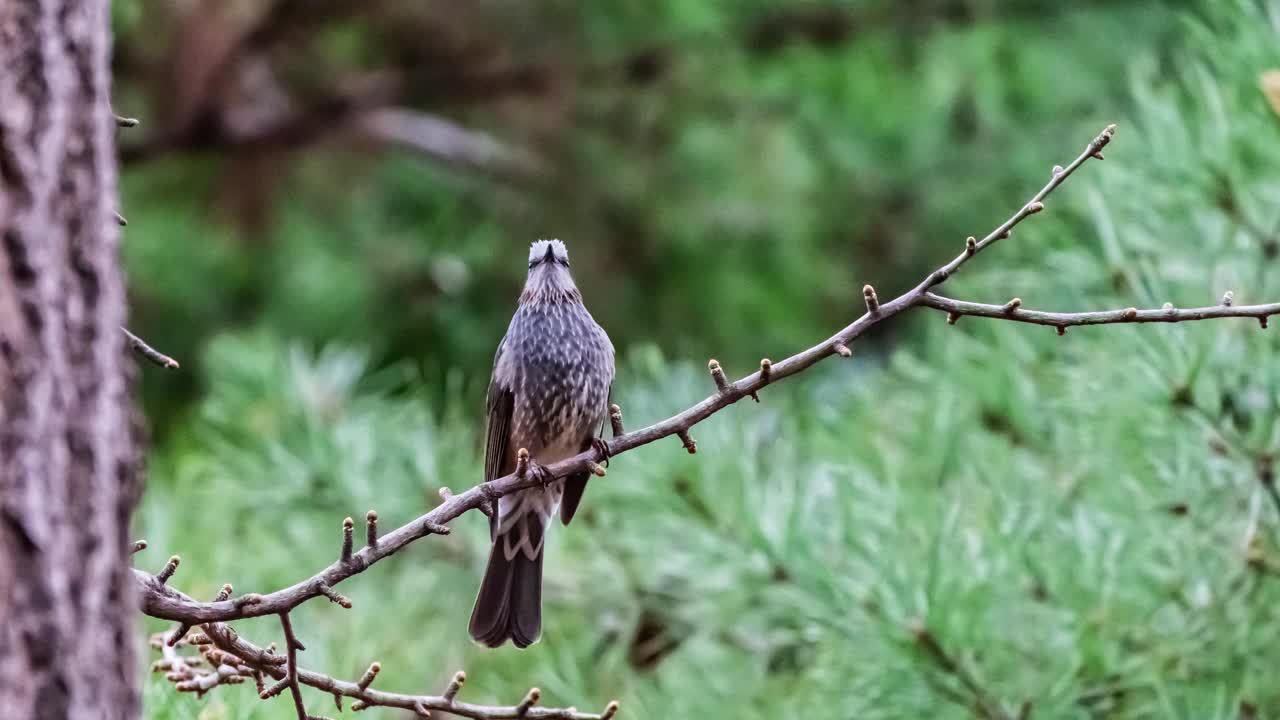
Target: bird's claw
601,446
540,473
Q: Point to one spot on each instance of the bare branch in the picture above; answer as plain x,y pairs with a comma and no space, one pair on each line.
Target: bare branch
250,659
161,601
292,646
148,352
1014,311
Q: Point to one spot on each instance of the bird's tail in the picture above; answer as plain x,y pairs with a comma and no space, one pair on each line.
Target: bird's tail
509,604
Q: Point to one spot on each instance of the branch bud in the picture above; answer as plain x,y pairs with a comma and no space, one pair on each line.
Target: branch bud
138,546
522,463
869,295
1130,313
717,374
451,692
1012,306
615,419
369,675
530,699
1035,207
274,690
371,528
953,318
596,469
119,219
436,528
1057,170
1228,298
224,593
1167,307
842,350
1062,330
167,571
689,444
970,245
610,710
766,369
178,634
348,539
333,596
1263,322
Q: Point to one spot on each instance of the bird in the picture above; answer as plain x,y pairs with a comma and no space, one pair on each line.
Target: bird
549,394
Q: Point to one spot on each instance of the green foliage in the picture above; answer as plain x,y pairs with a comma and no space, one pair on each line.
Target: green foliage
1079,522
808,162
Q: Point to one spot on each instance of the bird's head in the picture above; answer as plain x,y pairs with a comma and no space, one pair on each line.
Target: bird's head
549,277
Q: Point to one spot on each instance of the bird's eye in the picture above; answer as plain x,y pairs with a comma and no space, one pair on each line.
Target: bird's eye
534,263
563,261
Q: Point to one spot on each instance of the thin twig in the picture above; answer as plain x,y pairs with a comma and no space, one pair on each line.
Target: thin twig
256,659
142,348
291,646
1100,317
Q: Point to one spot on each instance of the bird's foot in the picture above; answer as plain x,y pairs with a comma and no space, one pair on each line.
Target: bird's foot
540,473
600,445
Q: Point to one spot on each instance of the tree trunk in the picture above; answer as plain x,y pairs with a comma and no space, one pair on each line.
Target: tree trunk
69,474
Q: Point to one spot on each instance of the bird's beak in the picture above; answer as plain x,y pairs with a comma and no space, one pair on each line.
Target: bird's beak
550,254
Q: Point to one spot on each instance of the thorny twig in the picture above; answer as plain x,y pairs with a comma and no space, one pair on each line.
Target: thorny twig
161,601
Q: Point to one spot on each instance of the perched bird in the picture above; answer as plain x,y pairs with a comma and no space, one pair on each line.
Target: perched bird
549,393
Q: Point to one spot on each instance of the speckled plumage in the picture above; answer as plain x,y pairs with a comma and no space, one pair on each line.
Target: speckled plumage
549,393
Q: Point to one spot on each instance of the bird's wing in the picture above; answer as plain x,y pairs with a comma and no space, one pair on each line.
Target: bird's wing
497,457
576,485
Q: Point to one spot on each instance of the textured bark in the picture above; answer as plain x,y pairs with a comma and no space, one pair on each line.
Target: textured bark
68,469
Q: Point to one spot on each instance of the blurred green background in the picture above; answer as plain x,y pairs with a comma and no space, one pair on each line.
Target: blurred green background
329,206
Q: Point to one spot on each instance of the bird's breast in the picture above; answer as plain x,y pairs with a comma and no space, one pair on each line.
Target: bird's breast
561,367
